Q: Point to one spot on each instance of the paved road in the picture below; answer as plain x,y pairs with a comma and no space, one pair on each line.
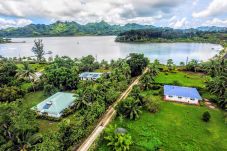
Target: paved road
106,118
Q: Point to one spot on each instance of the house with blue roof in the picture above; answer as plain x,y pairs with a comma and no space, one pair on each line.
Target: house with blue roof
55,104
90,75
181,94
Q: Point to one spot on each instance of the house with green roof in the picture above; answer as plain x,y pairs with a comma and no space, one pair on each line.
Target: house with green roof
56,104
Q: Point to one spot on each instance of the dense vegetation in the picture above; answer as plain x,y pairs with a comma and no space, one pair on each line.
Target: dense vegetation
4,40
69,29
171,35
101,28
21,89
192,127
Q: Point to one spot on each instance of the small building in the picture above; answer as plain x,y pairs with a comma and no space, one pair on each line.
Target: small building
181,94
56,104
90,75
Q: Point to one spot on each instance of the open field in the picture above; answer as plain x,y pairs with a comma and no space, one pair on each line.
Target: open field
176,126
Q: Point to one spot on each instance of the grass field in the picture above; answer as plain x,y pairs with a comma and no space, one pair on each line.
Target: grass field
184,78
176,127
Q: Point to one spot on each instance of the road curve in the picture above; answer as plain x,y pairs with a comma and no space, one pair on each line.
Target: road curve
106,118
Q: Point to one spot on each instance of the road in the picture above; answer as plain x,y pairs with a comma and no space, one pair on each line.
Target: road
106,118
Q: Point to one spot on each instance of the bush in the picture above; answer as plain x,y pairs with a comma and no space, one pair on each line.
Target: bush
177,83
206,116
225,117
49,90
152,106
9,94
155,87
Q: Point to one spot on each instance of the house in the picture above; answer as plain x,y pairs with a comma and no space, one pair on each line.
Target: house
181,94
90,75
56,104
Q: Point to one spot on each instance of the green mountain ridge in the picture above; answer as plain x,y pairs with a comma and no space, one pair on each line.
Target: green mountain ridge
70,29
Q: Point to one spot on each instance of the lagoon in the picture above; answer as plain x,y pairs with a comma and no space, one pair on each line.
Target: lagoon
104,47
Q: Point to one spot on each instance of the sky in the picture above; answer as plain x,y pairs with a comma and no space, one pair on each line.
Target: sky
162,13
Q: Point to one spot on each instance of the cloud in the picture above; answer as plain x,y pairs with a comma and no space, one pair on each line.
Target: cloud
178,23
6,23
215,22
83,11
215,8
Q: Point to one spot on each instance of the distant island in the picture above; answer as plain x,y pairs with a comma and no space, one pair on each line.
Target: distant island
96,29
174,35
5,40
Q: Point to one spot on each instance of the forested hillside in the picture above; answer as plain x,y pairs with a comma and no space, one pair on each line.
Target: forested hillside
70,29
172,35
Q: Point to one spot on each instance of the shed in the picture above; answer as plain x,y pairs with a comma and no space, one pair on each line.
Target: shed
181,94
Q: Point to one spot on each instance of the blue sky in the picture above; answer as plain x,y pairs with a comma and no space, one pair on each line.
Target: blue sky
168,13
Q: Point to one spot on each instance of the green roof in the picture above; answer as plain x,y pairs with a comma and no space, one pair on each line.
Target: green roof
55,104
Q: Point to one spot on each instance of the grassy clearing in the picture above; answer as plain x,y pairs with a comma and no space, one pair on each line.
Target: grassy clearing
32,99
176,126
184,78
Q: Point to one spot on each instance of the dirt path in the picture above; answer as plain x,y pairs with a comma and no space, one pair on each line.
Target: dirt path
106,118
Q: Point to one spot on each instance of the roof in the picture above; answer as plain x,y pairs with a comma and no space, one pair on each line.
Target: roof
55,104
90,75
188,92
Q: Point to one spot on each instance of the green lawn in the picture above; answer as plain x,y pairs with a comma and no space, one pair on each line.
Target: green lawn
184,78
176,127
34,98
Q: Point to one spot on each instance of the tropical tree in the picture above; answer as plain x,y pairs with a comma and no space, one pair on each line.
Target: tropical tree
170,64
192,65
81,102
18,128
129,108
218,85
147,81
153,70
137,63
117,141
26,73
38,50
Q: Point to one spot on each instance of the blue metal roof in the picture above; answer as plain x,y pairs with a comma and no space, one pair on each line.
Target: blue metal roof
90,75
188,92
55,104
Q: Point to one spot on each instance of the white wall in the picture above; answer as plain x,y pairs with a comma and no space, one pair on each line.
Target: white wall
183,99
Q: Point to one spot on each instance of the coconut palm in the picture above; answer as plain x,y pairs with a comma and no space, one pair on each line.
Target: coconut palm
218,85
153,70
147,81
27,73
81,102
129,108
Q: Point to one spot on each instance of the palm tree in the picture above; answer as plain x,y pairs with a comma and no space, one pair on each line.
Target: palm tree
26,141
129,108
153,70
218,85
147,81
27,73
81,102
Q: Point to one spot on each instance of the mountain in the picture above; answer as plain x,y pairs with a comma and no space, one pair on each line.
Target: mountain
212,29
70,29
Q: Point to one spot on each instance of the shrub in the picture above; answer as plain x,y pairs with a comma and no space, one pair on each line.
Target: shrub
177,83
9,94
49,90
155,87
225,117
117,141
206,116
152,106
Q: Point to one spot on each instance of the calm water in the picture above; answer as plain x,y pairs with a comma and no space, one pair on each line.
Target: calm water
104,47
